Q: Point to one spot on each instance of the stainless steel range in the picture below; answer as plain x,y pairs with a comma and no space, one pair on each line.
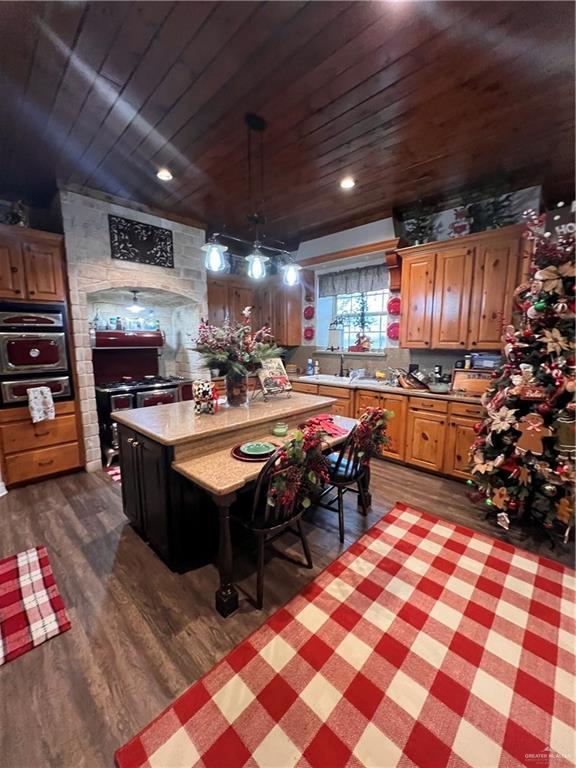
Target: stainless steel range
129,392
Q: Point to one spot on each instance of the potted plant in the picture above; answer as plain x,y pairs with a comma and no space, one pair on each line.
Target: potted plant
235,351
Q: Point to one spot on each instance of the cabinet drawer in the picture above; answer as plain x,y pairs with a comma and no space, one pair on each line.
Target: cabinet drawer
428,404
24,435
44,461
307,389
341,408
468,409
339,392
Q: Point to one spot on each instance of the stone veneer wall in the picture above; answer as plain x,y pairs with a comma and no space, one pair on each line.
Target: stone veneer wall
90,269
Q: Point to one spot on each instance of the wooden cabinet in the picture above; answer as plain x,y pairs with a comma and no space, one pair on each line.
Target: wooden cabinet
343,404
396,426
176,519
495,275
43,267
452,287
31,265
458,294
11,270
307,389
217,301
417,300
459,438
273,302
425,439
33,451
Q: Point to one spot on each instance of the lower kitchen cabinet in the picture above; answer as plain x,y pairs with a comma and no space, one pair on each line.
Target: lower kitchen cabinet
343,404
31,451
396,430
177,519
425,439
460,436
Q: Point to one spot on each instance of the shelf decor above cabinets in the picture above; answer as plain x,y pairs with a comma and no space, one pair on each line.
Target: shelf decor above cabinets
457,294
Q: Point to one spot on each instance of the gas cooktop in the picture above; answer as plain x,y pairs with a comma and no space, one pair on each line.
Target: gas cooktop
130,384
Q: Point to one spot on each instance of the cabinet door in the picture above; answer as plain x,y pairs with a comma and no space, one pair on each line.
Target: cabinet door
11,270
154,494
396,428
458,441
417,300
425,439
288,316
495,268
366,399
452,288
217,301
341,408
130,477
240,298
43,265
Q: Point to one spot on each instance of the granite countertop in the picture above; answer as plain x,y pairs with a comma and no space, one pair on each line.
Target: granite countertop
376,387
176,423
219,473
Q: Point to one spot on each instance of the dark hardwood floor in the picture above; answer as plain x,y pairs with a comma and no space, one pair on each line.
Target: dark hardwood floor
141,634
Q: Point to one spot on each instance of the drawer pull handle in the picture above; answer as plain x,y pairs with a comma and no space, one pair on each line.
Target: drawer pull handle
42,434
45,463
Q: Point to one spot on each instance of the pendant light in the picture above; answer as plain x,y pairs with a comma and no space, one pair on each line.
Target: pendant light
291,273
135,307
257,263
214,259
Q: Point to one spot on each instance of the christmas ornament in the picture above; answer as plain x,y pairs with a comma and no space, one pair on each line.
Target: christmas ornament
532,431
503,520
503,419
500,497
554,340
565,430
548,489
564,510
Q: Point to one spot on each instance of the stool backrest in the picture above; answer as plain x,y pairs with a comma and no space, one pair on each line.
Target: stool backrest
350,458
270,508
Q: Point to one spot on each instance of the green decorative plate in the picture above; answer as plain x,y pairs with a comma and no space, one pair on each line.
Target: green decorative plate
257,449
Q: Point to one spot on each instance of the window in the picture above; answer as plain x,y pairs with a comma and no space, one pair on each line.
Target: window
348,307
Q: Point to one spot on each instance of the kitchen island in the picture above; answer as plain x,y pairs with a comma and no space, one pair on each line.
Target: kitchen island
179,481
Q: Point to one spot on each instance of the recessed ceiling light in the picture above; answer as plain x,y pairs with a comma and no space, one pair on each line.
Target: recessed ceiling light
164,174
347,182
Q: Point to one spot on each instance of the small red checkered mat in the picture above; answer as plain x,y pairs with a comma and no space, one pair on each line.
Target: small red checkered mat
31,608
424,644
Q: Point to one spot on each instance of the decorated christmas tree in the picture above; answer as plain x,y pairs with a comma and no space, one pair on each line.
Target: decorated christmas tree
523,455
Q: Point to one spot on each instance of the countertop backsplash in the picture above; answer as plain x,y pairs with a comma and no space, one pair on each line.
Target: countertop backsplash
372,361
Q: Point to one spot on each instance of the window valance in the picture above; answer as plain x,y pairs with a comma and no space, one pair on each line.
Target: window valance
359,280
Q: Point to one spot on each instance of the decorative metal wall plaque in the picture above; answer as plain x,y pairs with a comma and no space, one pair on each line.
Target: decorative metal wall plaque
143,243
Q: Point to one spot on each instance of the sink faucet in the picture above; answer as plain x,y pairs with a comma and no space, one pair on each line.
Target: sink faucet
341,366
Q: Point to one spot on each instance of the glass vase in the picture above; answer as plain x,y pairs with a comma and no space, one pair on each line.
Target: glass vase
236,389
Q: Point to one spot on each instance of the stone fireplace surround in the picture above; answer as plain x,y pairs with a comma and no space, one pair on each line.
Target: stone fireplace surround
91,271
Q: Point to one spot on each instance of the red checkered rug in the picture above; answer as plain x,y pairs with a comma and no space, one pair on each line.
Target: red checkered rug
424,644
31,608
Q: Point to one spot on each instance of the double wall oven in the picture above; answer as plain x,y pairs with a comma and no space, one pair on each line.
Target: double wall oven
33,351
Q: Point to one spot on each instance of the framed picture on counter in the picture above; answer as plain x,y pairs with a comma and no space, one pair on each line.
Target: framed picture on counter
273,377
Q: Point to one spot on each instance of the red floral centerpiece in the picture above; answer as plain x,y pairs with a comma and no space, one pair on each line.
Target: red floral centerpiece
235,351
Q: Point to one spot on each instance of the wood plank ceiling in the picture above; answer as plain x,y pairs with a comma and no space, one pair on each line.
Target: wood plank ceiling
411,98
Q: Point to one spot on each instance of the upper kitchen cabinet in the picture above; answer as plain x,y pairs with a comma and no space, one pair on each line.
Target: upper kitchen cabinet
272,302
452,285
31,265
417,292
458,294
496,266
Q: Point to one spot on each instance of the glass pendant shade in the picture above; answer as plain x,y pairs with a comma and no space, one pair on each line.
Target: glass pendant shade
214,259
135,307
291,274
257,264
